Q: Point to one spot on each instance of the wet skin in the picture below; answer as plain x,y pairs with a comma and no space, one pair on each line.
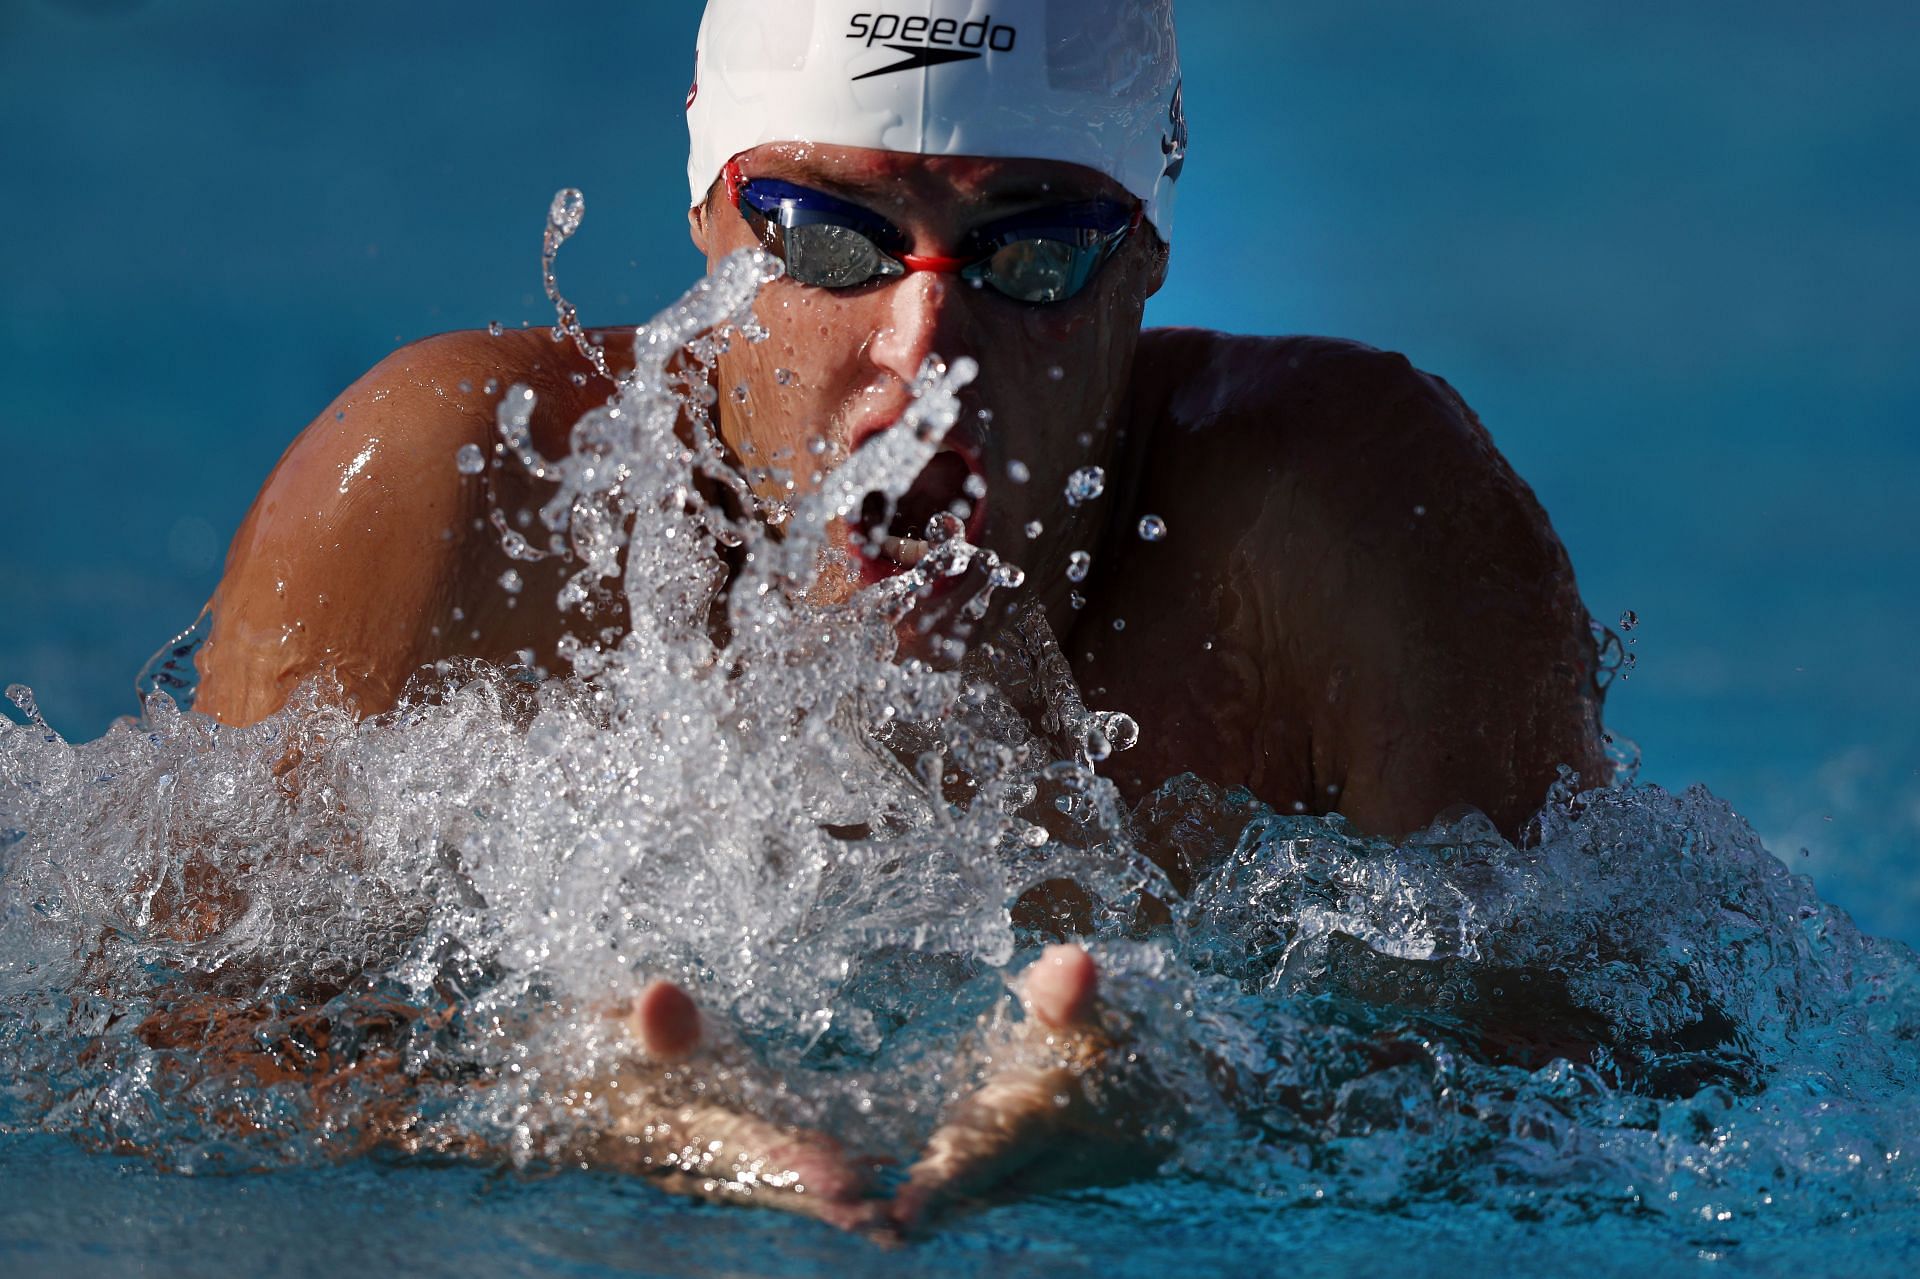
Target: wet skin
1358,606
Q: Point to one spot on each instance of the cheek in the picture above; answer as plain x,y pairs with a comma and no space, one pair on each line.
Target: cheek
779,395
1067,327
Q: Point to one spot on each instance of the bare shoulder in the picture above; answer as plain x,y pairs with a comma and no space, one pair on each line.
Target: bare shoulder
367,552
1401,620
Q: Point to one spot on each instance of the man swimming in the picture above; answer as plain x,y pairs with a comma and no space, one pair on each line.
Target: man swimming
1298,562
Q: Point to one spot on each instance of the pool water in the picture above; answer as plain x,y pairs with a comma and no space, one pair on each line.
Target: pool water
99,1216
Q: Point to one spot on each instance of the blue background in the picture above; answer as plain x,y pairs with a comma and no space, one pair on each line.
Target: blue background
1670,253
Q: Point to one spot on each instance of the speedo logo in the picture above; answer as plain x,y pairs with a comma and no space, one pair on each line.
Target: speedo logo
929,42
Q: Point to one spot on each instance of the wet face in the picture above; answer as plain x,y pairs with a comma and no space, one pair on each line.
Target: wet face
839,364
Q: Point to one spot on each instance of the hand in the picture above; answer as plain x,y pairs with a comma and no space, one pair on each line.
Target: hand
700,1147
1034,1123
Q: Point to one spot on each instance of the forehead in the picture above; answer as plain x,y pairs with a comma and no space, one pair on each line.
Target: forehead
893,180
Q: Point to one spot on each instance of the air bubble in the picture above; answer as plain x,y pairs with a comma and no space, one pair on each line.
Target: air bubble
469,459
1079,564
1152,528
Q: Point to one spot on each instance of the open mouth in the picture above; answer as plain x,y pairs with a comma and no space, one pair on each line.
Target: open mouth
890,538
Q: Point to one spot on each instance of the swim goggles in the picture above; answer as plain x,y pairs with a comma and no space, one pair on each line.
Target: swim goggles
1043,255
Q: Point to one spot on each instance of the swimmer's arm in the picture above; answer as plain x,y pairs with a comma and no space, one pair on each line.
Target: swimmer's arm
367,555
355,1071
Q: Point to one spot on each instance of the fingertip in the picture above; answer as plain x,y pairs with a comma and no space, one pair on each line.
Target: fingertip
668,1021
909,1208
1063,985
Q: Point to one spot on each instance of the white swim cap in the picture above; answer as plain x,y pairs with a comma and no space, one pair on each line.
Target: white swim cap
1089,82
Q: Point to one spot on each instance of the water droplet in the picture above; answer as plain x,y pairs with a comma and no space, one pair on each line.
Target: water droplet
1017,471
1079,564
469,459
1152,528
740,393
974,487
1085,484
1056,373
510,582
568,207
1122,730
1034,529
1629,620
944,527
783,376
496,328
1119,623
1010,576
1076,599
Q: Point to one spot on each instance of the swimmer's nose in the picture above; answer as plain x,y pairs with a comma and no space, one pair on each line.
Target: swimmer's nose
926,316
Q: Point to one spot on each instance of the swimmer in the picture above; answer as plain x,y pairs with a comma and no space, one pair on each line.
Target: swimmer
1299,562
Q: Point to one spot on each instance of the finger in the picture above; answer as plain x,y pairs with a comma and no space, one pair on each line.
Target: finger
871,1217
666,1021
1012,1120
721,1154
1062,987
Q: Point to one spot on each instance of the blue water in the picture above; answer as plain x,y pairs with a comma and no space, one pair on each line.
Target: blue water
112,1218
1670,257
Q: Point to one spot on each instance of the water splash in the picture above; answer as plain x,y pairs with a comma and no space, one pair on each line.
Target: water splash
249,947
564,216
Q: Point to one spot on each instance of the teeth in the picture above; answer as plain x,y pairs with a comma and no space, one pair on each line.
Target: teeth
904,550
